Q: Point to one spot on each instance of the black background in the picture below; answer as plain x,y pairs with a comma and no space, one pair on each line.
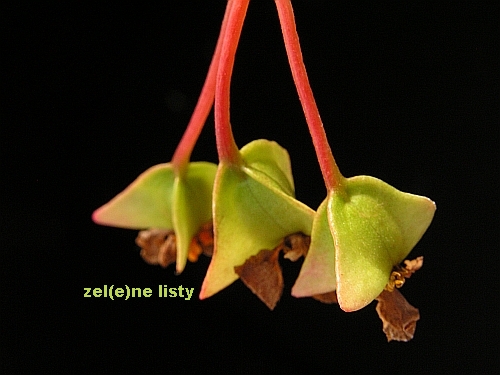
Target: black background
95,94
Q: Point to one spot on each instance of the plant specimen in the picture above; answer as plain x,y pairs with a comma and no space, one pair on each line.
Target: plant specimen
243,212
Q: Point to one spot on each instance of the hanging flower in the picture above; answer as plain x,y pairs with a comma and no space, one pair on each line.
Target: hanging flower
360,234
160,199
254,209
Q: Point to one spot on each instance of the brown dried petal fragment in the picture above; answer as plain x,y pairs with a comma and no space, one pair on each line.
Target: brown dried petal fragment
157,246
412,266
261,273
295,245
168,252
399,318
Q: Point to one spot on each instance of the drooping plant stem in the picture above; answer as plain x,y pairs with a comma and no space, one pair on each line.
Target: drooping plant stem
182,153
226,146
331,173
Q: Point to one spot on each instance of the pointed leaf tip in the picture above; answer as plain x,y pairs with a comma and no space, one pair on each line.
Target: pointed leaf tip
145,203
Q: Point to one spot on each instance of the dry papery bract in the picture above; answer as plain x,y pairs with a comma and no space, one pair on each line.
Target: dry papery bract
399,318
262,274
158,246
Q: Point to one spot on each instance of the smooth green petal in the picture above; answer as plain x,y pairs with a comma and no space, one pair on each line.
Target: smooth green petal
145,203
192,206
374,227
317,275
272,161
251,213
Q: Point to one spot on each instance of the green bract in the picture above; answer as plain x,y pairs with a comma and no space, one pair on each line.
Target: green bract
317,275
254,208
371,228
160,199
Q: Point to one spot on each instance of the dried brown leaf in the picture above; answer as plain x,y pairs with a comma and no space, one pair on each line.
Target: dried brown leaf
399,318
261,273
157,246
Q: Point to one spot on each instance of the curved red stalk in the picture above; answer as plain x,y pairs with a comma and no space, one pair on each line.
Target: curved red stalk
226,147
182,153
331,173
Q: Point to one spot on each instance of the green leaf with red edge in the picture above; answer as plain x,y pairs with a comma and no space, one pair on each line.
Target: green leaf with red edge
145,203
317,275
159,198
254,209
374,227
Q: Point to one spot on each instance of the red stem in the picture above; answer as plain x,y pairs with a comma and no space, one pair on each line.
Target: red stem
226,147
331,174
182,153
